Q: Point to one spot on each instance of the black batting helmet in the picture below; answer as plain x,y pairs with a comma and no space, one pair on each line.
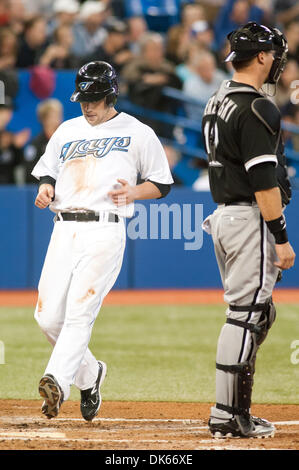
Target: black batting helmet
95,81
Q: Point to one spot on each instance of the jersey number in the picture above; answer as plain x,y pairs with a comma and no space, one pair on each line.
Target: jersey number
211,154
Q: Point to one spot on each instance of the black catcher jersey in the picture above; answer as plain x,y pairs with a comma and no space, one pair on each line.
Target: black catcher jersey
235,140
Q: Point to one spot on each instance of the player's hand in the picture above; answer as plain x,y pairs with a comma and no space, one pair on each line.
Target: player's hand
45,196
123,195
285,255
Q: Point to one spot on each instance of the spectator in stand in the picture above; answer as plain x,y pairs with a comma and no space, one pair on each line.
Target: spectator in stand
203,34
50,115
160,15
178,36
268,11
8,58
114,49
285,86
33,42
292,34
39,7
58,54
232,15
147,75
65,13
188,68
89,33
117,7
211,8
286,11
11,144
17,15
290,115
8,48
3,13
137,28
173,158
203,83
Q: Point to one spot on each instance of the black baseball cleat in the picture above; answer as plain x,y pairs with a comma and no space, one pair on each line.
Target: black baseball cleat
258,428
91,398
50,390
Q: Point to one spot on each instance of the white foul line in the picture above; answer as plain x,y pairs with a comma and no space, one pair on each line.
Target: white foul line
160,420
286,423
137,420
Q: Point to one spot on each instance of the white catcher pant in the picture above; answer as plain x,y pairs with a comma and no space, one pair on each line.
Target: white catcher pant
81,266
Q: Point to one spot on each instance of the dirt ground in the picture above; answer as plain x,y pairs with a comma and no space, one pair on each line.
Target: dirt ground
148,297
135,426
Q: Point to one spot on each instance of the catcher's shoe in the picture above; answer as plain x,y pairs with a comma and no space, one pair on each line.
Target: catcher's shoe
91,398
51,391
257,427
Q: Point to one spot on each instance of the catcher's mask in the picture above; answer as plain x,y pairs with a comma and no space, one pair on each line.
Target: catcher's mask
247,41
95,81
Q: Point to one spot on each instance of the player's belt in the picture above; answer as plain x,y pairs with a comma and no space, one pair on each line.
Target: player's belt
86,217
240,203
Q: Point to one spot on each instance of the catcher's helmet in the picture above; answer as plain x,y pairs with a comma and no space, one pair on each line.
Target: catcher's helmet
95,81
247,41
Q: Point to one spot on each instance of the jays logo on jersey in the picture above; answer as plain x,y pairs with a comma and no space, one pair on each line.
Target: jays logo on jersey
98,148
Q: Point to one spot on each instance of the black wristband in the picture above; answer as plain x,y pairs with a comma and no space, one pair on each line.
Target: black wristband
47,180
278,228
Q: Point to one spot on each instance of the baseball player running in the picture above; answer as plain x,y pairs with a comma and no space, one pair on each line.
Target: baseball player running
87,176
248,180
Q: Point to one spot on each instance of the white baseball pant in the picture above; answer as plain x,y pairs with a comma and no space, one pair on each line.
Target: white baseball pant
81,266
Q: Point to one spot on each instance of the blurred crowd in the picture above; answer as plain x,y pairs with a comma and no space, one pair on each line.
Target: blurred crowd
151,43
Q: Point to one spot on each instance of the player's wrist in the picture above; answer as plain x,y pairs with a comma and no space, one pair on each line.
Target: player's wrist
45,188
278,229
135,193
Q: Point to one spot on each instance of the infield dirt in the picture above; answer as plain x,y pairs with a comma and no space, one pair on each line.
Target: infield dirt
135,426
148,297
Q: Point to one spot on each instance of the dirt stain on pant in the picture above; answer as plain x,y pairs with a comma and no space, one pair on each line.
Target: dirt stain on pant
39,305
88,294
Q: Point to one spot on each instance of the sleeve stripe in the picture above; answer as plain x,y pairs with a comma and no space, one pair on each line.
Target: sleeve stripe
260,159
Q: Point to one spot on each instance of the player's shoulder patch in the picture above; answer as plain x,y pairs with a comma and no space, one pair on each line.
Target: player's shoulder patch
268,113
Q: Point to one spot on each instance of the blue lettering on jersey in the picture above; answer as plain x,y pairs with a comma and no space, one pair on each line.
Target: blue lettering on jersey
97,148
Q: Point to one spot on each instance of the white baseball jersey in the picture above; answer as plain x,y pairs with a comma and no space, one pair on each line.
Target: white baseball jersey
87,160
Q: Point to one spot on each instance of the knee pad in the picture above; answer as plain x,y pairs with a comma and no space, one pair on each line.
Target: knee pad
260,329
266,320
